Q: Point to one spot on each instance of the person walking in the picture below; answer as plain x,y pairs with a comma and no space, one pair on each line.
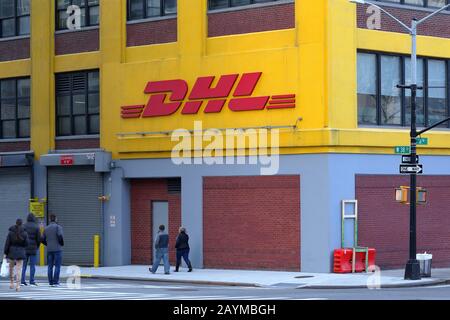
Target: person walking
34,240
182,246
54,240
162,250
14,251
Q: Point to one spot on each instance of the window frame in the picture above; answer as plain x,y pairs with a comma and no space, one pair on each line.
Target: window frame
145,11
16,119
402,2
403,96
87,15
71,93
16,18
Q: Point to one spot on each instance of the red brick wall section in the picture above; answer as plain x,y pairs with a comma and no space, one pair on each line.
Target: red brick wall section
439,26
384,224
15,49
14,146
77,144
77,42
252,222
258,19
143,192
152,32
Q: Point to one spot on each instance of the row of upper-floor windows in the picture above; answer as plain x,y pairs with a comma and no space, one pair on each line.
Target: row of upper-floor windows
420,3
77,105
15,14
381,103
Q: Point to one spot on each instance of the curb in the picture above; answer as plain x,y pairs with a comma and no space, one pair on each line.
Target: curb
204,282
385,286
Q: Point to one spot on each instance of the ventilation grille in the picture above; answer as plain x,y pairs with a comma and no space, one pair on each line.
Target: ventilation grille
174,185
71,82
62,83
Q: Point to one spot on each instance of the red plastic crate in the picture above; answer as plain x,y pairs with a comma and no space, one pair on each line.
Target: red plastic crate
343,260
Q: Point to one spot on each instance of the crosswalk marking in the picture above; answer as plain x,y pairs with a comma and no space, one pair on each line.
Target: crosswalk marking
94,291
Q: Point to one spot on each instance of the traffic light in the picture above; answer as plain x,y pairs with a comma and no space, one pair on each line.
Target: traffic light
402,195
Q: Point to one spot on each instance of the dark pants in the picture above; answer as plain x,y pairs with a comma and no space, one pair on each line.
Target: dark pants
54,259
32,259
185,254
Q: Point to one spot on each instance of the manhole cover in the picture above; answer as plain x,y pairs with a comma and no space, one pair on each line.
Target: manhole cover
304,277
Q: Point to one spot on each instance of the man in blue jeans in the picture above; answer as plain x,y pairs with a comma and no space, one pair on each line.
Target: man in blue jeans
34,240
162,250
54,240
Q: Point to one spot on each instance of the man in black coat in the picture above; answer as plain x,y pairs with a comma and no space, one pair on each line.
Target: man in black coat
34,240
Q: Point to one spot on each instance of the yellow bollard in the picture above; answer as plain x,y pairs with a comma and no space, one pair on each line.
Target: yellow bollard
41,255
96,251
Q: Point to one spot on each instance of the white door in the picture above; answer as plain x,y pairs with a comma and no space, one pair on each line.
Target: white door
160,214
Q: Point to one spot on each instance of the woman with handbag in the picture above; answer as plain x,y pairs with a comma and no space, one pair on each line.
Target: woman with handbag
16,243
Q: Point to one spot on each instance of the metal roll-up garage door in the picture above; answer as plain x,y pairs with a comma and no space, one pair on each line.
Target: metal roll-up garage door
14,198
73,197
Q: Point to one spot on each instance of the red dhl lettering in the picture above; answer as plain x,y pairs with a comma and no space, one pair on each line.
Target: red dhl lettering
166,97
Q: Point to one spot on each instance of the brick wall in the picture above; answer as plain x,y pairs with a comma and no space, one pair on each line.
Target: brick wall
77,144
439,26
76,42
15,49
257,19
384,224
143,192
14,146
251,222
152,32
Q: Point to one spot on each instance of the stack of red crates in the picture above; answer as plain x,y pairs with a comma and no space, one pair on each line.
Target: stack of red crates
343,260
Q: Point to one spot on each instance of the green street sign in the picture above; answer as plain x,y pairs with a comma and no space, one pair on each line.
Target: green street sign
402,150
422,141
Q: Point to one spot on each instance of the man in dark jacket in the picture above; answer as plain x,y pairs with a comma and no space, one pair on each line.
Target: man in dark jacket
182,246
54,240
34,240
16,242
162,250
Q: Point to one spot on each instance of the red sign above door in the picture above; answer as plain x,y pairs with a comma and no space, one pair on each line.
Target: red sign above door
66,160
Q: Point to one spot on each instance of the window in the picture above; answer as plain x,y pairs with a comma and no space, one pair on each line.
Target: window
89,12
142,9
221,4
77,103
380,102
14,18
420,3
15,108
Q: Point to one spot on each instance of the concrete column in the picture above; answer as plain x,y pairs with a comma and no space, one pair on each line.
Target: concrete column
315,224
117,236
192,216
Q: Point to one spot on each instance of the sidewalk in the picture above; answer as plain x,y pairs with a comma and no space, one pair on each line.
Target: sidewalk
388,279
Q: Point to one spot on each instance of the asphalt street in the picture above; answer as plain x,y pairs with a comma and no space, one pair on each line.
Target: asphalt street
92,289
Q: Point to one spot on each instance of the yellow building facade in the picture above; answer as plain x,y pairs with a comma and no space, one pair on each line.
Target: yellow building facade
314,63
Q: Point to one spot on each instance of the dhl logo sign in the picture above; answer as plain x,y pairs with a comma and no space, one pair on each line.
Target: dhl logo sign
166,97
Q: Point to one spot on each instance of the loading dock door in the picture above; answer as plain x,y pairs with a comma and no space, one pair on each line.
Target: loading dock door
73,197
14,198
